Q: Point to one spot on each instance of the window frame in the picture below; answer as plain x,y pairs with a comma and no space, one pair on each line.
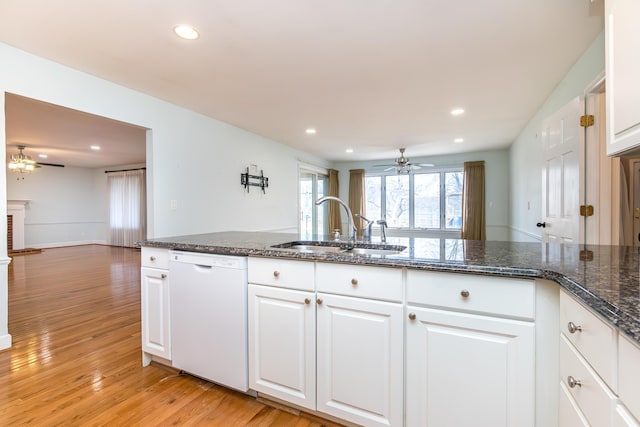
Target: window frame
443,196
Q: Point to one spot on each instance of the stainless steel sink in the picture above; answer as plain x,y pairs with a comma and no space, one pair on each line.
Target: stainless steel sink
374,251
357,249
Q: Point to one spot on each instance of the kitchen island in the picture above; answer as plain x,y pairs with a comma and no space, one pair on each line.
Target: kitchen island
517,298
605,278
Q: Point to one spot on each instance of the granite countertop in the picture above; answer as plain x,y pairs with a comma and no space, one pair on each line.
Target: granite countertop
605,278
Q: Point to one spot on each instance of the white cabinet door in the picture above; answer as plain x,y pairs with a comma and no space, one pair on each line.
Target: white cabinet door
360,360
468,370
622,40
282,331
156,326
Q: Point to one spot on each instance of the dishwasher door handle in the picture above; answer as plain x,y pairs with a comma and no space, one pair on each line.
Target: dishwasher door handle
203,266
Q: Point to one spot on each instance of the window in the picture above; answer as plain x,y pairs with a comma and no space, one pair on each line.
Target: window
430,200
127,207
313,219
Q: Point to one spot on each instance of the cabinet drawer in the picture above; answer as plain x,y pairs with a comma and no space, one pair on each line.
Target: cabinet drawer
478,294
155,257
594,339
359,281
592,395
629,375
569,414
283,273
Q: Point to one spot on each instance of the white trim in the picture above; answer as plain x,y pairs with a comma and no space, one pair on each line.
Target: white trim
513,230
5,341
312,168
65,244
5,261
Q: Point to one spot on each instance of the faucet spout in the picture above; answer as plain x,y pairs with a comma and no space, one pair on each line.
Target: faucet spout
352,226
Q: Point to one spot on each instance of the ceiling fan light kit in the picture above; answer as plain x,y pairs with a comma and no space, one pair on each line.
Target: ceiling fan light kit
403,166
21,162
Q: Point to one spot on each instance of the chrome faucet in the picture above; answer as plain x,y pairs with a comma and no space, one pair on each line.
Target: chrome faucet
366,231
352,226
383,224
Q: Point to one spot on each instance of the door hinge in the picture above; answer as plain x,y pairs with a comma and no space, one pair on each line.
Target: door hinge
586,121
586,210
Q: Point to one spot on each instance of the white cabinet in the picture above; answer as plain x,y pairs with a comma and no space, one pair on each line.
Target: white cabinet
155,317
360,343
629,377
282,344
464,368
360,366
282,330
622,40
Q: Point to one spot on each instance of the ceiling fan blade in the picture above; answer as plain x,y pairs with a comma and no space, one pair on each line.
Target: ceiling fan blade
49,164
391,168
427,165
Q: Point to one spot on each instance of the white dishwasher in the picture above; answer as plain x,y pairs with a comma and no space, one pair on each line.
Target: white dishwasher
209,317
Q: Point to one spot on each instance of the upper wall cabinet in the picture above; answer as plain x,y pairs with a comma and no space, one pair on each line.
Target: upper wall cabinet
623,68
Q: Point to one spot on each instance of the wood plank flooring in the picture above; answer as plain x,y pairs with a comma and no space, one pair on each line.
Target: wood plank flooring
74,315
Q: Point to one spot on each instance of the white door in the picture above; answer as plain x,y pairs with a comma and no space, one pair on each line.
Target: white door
468,370
282,344
156,332
562,139
360,375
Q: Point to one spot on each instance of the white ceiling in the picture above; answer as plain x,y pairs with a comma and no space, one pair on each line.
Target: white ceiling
372,75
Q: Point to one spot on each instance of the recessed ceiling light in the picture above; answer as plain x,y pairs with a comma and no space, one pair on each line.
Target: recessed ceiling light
43,156
349,150
457,111
311,131
186,32
458,140
95,147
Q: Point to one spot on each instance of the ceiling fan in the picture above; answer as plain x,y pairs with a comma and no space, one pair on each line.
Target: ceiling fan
403,165
23,163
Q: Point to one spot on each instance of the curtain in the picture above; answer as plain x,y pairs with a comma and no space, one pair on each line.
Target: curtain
127,207
473,213
357,196
335,223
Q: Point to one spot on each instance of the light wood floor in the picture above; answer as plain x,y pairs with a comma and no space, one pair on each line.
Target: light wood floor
74,314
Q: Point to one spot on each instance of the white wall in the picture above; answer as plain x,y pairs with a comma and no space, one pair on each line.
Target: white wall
496,183
525,155
192,159
66,205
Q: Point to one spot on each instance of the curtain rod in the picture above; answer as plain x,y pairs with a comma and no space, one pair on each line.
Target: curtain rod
127,170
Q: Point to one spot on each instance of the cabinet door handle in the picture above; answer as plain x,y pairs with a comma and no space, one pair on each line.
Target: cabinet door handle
307,301
152,258
573,383
354,281
319,301
464,293
412,316
573,328
276,274
163,276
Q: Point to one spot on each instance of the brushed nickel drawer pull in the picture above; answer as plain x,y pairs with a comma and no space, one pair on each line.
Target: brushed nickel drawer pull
412,316
276,274
354,282
573,383
163,276
464,293
573,328
319,301
307,301
152,258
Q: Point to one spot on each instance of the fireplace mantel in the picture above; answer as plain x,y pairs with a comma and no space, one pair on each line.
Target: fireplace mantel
17,208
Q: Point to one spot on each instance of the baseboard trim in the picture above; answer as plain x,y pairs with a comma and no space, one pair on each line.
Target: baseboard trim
5,341
65,244
514,230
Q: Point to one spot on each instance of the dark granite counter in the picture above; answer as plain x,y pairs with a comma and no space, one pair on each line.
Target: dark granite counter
605,278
